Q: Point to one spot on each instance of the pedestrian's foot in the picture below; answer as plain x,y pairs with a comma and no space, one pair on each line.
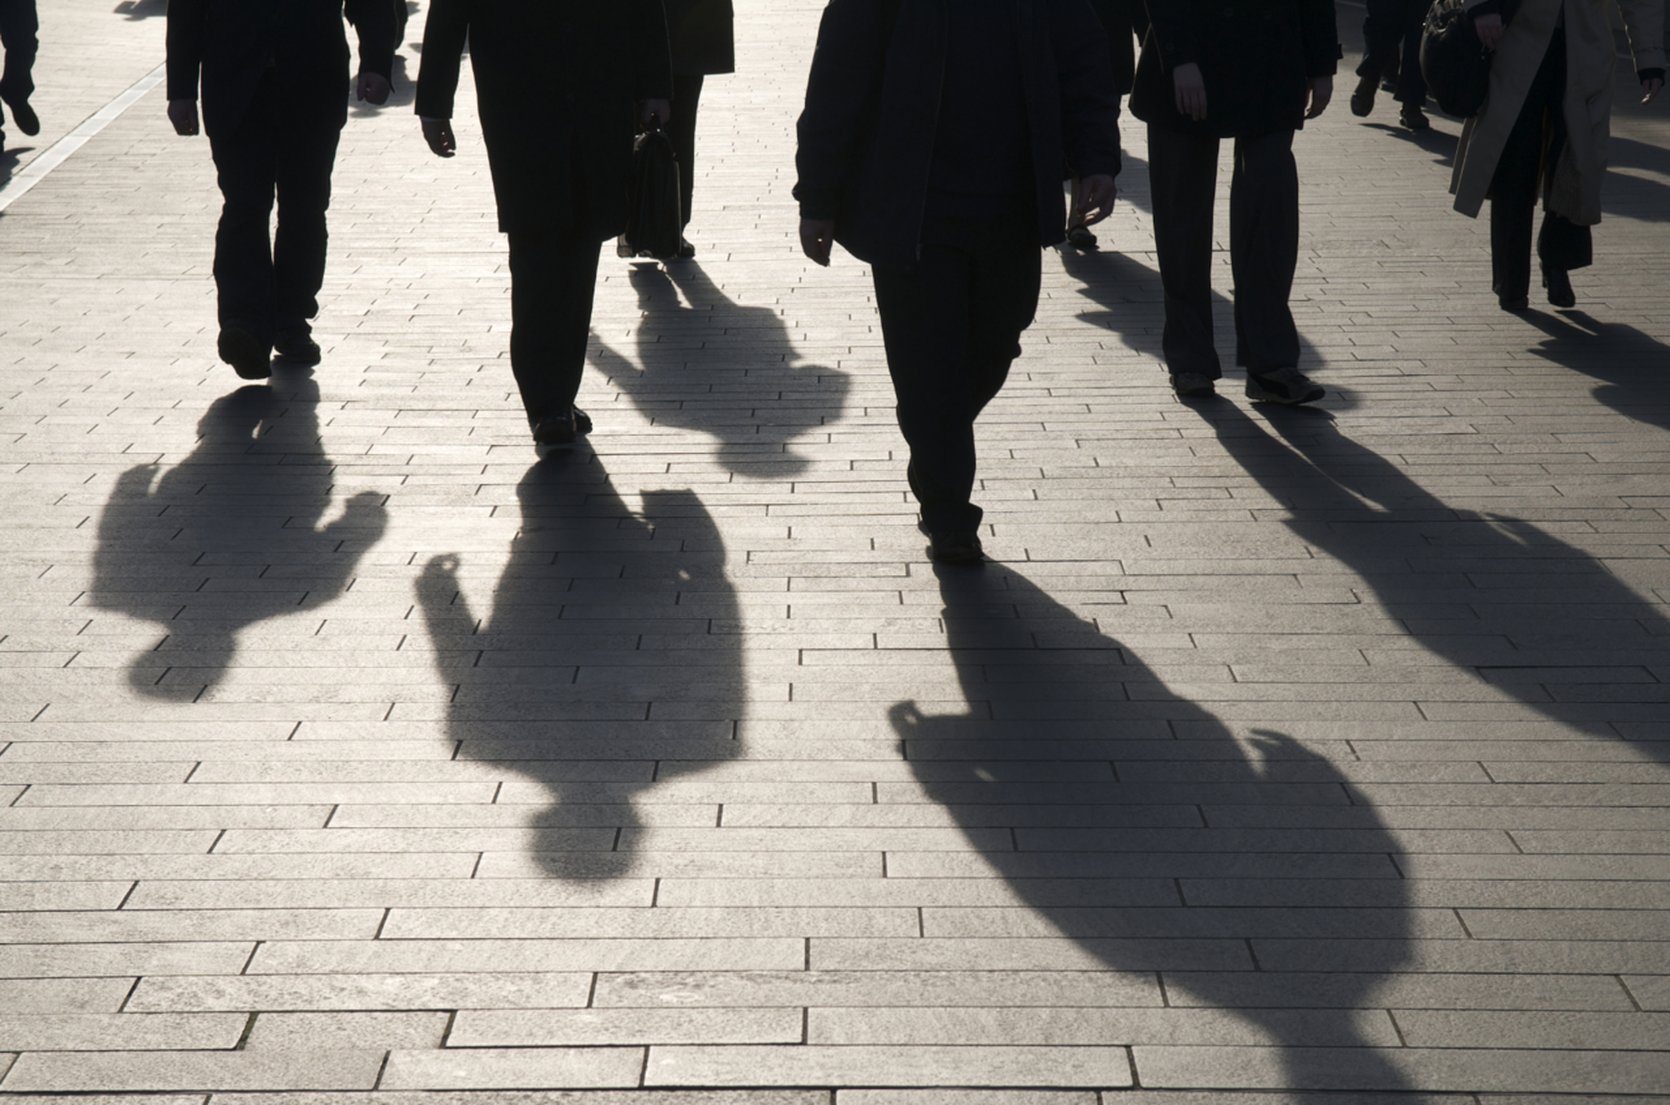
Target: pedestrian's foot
298,347
1517,304
1558,283
24,116
1362,97
1081,238
1287,386
560,429
1193,385
686,251
959,547
1413,118
249,356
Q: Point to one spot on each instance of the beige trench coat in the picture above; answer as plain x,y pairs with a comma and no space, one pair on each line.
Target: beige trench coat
1574,188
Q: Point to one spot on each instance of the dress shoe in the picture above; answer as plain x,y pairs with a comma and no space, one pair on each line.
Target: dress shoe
1413,118
1558,283
955,548
249,356
24,116
686,251
1286,385
1193,385
298,347
1362,97
563,428
1514,304
1081,238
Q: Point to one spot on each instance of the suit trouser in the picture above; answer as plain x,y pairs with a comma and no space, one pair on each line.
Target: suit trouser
951,325
552,283
19,29
1392,44
1533,149
687,99
1263,247
269,283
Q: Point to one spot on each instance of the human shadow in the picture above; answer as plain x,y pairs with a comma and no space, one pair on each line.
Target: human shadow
599,620
142,9
229,537
1628,364
705,363
1133,823
1531,616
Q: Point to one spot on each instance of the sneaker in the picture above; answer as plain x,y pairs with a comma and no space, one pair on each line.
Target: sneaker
955,548
1413,118
1287,386
298,347
249,356
1193,385
24,116
1362,97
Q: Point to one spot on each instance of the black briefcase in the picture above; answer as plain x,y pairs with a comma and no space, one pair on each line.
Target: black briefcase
654,223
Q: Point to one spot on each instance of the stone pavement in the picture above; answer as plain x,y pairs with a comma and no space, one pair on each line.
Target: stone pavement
348,749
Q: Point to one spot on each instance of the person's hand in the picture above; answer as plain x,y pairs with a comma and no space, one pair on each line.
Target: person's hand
183,114
817,237
1093,199
1490,29
1191,92
1321,95
1650,88
372,88
659,110
438,133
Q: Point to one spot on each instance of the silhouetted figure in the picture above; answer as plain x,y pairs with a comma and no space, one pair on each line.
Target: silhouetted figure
256,480
931,146
557,85
1392,52
1125,819
1125,21
734,372
1552,66
580,735
1216,69
703,38
274,107
19,27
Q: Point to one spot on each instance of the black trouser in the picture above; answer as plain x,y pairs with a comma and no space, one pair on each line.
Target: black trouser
687,99
269,283
1263,246
552,283
18,36
1392,46
1533,149
951,324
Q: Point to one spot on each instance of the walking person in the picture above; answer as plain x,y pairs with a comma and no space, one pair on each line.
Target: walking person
1543,132
1125,22
1217,69
19,37
561,89
931,146
702,35
274,104
1392,51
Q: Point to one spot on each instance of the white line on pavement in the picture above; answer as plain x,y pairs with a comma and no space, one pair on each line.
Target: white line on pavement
60,151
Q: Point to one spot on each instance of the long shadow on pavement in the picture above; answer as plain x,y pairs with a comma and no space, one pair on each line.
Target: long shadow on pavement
709,364
1629,364
1131,822
599,620
229,537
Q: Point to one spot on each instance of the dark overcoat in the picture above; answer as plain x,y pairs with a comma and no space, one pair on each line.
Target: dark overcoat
703,36
872,113
1258,58
558,83
228,45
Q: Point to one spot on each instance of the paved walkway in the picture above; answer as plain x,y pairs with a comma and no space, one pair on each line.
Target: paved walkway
346,748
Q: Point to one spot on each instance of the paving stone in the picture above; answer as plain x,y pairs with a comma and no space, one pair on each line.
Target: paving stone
513,1068
121,1031
1541,1030
881,1066
613,1027
282,1032
360,991
1086,1027
74,1072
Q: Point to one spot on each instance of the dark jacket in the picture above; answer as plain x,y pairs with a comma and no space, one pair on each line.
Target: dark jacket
558,86
230,44
1125,21
872,110
703,37
1258,58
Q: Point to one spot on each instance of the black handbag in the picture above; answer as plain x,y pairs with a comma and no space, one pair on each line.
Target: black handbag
654,223
1456,66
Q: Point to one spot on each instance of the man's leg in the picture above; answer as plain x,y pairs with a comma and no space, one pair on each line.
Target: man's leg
1411,84
19,35
1513,189
1380,58
1183,169
926,320
307,157
1264,250
687,98
552,285
1008,273
246,164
